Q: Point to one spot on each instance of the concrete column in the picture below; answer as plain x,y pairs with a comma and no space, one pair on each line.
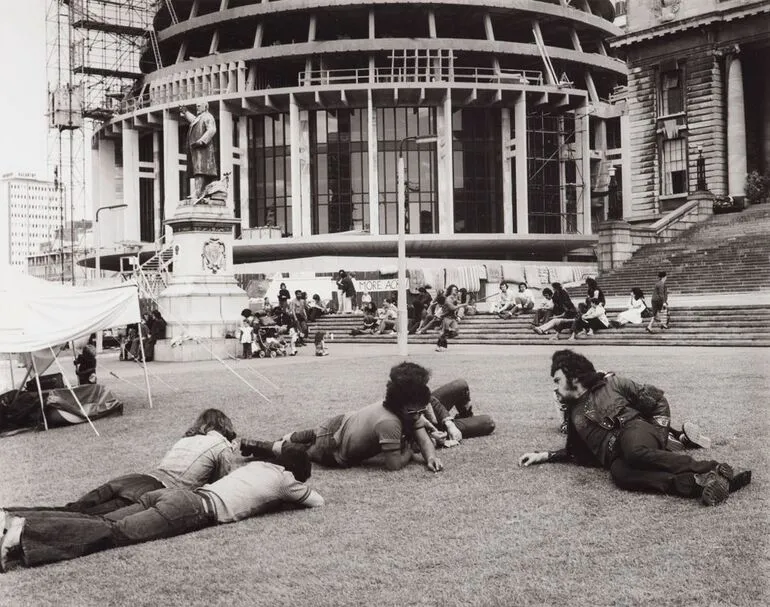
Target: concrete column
103,193
600,145
583,148
130,143
156,185
625,144
520,163
563,156
296,189
444,157
374,184
766,125
736,129
170,165
226,149
505,122
243,139
304,172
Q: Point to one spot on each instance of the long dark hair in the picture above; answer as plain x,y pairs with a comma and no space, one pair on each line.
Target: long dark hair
212,419
638,294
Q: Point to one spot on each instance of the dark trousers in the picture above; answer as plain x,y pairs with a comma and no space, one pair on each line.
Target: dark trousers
644,464
112,495
246,350
51,536
457,395
319,444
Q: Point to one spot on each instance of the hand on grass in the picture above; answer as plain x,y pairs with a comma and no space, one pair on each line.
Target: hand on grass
434,464
533,458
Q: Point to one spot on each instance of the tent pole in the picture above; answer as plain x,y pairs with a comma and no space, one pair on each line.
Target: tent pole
144,365
69,387
39,392
10,364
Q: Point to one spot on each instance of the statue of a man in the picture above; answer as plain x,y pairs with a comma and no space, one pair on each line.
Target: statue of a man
201,147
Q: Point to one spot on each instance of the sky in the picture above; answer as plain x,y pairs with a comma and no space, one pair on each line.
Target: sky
23,96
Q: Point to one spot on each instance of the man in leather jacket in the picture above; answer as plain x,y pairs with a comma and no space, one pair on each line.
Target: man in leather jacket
620,425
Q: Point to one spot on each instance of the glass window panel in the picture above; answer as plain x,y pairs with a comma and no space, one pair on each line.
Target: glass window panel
389,124
412,121
268,131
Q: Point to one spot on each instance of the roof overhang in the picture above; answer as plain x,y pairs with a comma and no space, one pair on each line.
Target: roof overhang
464,246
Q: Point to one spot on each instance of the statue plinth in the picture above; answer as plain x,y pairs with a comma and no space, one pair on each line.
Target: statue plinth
202,301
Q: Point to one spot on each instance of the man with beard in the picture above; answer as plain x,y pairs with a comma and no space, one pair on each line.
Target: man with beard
615,423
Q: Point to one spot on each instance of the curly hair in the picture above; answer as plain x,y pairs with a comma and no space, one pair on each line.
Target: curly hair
407,386
212,419
575,367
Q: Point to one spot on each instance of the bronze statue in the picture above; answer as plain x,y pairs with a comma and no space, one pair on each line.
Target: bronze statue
201,147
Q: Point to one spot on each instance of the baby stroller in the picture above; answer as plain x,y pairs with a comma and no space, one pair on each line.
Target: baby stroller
269,342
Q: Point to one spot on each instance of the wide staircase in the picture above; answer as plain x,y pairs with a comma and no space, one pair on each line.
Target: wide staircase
702,326
726,254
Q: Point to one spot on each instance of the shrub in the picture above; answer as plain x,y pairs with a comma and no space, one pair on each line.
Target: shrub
757,187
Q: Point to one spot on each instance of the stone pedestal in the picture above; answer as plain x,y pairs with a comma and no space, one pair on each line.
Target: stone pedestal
615,245
202,300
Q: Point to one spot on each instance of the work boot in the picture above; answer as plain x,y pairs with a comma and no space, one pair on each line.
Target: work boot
739,480
715,487
256,448
693,437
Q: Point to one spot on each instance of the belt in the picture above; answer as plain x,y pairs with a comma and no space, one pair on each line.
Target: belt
208,504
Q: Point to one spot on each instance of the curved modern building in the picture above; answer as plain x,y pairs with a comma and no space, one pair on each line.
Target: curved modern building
314,100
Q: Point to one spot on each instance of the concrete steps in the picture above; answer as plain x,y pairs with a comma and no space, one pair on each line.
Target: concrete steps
727,253
691,326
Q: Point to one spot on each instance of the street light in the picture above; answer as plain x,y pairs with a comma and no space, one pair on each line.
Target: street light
98,248
401,187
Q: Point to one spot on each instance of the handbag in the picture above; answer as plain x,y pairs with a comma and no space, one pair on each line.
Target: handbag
646,313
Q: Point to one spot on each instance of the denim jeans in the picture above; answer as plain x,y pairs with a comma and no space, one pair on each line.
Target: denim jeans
51,536
112,495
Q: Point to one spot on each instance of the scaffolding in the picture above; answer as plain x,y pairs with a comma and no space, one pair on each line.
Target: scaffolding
93,53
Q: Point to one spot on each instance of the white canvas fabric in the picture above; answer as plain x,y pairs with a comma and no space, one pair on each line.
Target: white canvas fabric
38,314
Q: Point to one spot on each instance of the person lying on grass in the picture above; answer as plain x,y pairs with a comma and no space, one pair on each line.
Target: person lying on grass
388,427
47,536
612,424
688,436
203,455
447,430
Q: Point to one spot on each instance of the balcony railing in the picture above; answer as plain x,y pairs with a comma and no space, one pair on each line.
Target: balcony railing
160,96
395,75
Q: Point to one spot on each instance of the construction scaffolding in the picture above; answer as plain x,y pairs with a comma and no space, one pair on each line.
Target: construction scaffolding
93,54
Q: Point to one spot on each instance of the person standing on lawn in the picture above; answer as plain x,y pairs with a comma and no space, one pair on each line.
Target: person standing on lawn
616,423
42,536
388,427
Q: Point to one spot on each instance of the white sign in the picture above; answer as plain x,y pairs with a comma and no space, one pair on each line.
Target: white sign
381,284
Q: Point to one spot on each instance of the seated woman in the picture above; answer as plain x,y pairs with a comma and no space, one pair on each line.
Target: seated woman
592,320
433,316
633,315
563,312
524,301
203,455
387,317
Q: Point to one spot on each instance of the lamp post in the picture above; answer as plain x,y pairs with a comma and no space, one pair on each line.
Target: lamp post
401,187
701,169
98,248
612,195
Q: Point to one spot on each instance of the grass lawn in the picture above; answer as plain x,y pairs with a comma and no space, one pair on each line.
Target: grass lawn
483,532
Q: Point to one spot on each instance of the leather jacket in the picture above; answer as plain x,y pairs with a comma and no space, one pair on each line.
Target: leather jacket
610,403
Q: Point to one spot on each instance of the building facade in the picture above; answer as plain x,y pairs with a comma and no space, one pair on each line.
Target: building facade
697,87
314,101
30,214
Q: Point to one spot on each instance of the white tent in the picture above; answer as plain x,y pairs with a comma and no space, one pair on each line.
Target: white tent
39,315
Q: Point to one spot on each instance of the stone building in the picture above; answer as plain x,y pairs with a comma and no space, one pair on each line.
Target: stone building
698,85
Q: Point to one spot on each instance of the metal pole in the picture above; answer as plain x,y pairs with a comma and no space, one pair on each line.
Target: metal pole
403,347
98,243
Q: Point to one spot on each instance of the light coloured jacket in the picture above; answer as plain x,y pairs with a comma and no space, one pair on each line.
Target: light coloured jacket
195,460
